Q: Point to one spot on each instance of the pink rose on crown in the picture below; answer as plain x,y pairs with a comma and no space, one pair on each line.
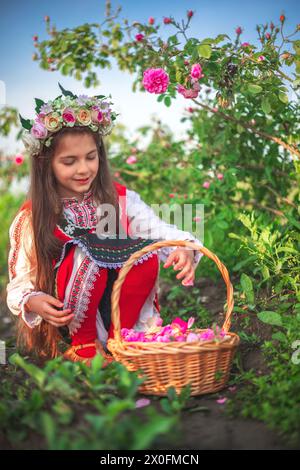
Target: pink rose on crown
69,115
38,131
97,114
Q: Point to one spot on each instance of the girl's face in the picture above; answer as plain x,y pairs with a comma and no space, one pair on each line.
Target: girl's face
76,158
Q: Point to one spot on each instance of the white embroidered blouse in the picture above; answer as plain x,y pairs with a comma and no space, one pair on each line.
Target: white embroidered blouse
22,268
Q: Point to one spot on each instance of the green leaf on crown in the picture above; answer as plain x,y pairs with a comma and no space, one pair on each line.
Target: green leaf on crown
39,103
66,92
25,123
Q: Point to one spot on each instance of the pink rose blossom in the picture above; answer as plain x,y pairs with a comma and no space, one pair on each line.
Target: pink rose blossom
132,159
261,58
38,131
238,30
196,71
171,195
189,283
96,114
222,400
195,84
163,339
151,20
192,337
197,219
167,20
206,184
181,323
207,335
135,336
155,80
220,176
245,44
180,338
139,37
190,13
192,93
179,330
69,115
19,159
142,402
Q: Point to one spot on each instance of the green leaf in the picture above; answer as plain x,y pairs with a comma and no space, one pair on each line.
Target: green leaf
222,224
38,375
234,235
243,263
97,363
25,123
66,92
160,97
265,106
220,37
296,83
167,101
247,287
283,97
265,272
293,221
39,103
279,336
204,50
269,317
49,429
254,89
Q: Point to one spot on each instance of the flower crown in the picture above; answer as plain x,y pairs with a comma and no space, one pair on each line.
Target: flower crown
66,110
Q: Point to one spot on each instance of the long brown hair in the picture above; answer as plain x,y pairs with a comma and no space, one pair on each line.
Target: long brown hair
46,204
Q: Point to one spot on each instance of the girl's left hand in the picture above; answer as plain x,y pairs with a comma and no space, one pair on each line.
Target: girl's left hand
182,259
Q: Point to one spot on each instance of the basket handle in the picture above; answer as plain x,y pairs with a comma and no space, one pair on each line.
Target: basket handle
115,296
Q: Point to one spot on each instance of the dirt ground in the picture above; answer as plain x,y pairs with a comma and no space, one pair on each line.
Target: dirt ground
208,427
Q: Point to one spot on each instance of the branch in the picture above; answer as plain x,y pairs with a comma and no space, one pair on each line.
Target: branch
248,126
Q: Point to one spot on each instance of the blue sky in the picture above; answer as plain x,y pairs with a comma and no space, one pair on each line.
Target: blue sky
24,80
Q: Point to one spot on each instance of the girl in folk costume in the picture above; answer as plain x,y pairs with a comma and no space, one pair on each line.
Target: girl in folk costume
62,263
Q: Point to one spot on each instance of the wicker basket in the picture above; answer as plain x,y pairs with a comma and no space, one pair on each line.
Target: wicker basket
205,365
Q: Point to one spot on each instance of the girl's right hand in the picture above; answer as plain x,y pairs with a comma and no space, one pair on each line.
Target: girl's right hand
42,304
